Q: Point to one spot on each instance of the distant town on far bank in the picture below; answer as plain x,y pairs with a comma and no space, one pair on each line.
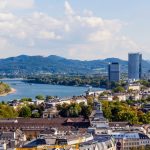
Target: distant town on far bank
24,65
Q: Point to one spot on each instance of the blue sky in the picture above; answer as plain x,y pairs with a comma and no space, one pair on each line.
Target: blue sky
78,29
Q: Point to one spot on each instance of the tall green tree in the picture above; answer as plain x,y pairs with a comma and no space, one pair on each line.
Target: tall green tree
25,111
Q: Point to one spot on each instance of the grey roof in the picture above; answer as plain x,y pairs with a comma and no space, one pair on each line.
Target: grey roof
97,139
143,136
7,135
35,143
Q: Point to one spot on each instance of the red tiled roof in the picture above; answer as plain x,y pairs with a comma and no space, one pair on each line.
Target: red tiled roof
68,120
41,123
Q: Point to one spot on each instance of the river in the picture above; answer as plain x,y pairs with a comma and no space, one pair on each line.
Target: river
31,90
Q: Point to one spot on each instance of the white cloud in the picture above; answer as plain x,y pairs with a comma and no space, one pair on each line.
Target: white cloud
14,4
77,35
68,8
49,35
91,21
67,28
6,17
100,36
88,13
36,25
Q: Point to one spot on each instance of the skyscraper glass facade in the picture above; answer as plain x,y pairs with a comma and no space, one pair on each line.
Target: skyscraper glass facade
134,66
114,72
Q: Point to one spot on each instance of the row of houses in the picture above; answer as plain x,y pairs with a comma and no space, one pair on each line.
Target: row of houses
50,110
133,92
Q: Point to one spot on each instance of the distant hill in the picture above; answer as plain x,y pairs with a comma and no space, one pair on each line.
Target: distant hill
24,64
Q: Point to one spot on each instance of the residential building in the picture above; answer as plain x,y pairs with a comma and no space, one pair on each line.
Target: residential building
101,142
3,145
94,93
75,99
12,138
50,113
120,96
38,101
33,126
106,97
73,141
146,107
134,87
134,66
128,140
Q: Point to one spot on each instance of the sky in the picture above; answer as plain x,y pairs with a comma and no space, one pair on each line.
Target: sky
75,29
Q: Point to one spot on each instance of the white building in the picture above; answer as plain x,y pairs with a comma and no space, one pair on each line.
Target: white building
128,140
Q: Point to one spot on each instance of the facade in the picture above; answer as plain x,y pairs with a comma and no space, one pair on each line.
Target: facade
76,99
134,66
102,142
94,93
3,145
73,141
129,140
11,139
146,107
50,113
120,96
134,87
32,127
114,72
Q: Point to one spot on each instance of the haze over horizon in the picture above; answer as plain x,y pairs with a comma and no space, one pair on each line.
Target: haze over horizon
83,30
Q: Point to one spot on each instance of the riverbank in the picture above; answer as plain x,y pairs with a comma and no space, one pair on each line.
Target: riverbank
68,80
31,90
11,92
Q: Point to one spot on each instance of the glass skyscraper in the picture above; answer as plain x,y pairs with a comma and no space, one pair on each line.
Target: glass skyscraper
134,66
114,72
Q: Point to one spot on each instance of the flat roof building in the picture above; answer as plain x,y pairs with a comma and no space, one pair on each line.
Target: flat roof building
114,72
134,66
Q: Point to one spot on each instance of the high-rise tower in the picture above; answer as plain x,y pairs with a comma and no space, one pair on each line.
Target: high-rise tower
134,66
114,72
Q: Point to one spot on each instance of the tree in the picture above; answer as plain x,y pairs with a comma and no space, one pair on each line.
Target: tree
40,97
119,89
148,117
59,107
148,98
40,108
106,110
86,110
74,110
129,101
48,98
32,107
35,115
145,83
7,111
25,99
90,100
25,112
64,110
116,98
4,88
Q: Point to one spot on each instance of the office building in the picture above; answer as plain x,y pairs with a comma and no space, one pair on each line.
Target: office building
114,72
134,66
